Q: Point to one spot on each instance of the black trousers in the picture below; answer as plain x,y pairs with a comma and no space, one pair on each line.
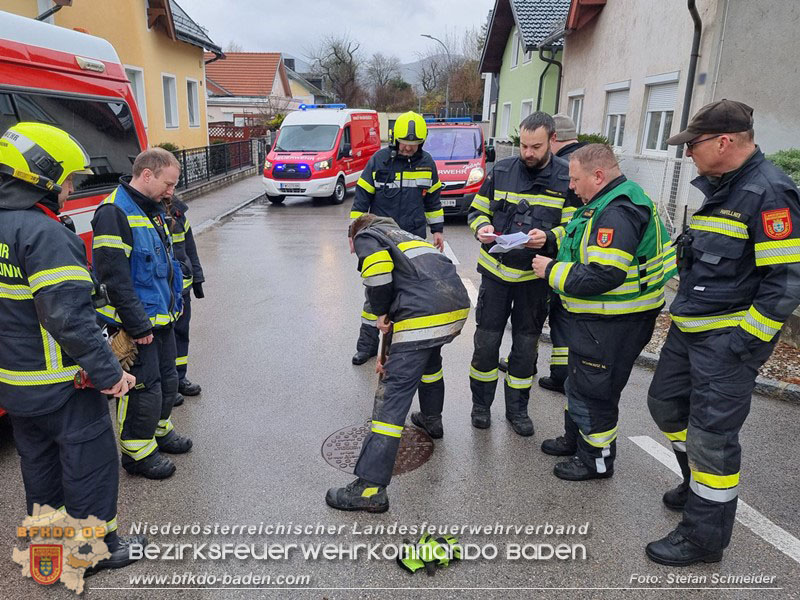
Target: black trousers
368,333
699,398
405,373
69,458
144,414
558,318
602,352
526,304
182,337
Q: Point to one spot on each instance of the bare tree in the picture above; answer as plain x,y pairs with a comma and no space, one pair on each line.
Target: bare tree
338,60
233,47
432,69
382,69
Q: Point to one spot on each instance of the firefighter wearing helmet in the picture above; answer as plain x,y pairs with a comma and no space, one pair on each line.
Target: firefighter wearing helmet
400,182
62,432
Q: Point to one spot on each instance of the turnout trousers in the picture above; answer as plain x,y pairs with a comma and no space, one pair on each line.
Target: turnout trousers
405,373
602,352
526,304
69,458
144,414
558,319
368,334
182,338
699,398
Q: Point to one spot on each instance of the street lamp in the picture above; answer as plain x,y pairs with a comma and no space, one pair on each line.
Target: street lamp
447,81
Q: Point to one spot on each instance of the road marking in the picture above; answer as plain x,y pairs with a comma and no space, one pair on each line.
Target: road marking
448,252
471,291
745,514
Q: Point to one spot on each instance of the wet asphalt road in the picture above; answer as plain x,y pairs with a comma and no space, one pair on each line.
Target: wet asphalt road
271,346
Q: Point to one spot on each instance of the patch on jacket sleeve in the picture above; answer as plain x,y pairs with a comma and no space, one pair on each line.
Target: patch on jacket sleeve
604,236
777,223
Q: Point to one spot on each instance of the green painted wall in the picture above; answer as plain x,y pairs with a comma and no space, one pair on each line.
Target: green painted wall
521,84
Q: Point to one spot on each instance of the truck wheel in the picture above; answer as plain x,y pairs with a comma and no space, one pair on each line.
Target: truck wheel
339,192
276,199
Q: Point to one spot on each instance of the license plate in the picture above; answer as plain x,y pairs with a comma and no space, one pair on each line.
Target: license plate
448,201
290,188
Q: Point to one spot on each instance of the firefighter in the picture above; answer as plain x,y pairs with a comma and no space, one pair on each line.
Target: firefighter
63,434
133,256
739,262
400,182
185,250
522,194
416,291
613,260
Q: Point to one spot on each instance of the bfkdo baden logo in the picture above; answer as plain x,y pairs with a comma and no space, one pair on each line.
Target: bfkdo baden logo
46,562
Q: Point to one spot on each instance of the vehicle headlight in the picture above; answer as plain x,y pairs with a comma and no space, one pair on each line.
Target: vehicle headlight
475,175
267,165
322,165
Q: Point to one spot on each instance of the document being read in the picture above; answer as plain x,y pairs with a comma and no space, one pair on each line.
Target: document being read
504,243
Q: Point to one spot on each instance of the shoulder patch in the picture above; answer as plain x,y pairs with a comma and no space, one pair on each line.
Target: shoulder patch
777,223
604,236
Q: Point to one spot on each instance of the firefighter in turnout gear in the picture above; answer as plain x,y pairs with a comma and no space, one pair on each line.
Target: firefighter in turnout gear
614,259
417,292
185,251
399,182
63,433
522,194
739,263
132,256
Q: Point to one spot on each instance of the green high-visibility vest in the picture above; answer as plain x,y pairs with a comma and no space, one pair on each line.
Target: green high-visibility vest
652,265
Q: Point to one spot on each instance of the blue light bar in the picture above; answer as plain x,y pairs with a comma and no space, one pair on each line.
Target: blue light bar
307,106
450,120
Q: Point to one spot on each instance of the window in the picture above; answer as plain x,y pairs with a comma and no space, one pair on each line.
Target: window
658,119
514,50
525,109
505,119
616,107
193,102
170,100
136,77
104,128
576,111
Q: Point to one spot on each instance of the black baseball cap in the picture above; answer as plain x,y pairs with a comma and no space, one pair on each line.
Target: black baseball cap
723,116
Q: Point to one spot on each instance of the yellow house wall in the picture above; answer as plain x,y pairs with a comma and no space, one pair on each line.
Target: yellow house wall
124,24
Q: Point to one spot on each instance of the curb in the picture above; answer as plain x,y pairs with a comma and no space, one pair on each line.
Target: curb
211,222
779,390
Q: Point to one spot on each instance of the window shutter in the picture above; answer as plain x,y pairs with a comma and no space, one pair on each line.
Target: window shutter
617,102
662,97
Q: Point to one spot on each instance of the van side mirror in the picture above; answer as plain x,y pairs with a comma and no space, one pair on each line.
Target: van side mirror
490,153
344,152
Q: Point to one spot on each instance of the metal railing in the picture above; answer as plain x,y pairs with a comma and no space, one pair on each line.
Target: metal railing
209,162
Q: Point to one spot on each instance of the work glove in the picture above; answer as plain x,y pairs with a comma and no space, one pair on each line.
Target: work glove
198,290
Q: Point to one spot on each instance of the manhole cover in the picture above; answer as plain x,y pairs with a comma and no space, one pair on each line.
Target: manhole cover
342,448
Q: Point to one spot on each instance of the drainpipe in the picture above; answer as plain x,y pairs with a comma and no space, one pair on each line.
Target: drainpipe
541,83
50,12
551,61
216,58
672,207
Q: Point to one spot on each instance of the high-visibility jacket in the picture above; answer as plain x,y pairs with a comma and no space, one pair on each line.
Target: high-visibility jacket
515,199
49,327
402,188
745,248
132,254
413,283
615,255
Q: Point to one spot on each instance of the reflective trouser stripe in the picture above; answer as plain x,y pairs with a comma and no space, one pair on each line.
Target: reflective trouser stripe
138,449
600,440
45,518
111,525
387,429
518,383
433,377
716,488
181,360
559,356
482,375
164,427
677,439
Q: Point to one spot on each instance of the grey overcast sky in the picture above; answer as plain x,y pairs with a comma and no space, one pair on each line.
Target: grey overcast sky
295,26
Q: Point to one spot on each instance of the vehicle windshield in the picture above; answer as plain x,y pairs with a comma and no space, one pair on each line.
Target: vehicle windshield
306,138
453,143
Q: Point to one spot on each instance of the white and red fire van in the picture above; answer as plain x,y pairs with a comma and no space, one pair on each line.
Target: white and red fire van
458,147
320,151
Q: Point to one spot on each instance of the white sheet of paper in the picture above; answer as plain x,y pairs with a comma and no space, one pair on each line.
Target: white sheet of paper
509,241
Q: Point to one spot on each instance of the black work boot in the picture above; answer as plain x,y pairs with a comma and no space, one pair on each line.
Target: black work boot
560,446
521,424
551,384
675,499
576,470
155,466
359,358
431,425
172,443
481,417
187,388
359,495
677,551
178,399
120,548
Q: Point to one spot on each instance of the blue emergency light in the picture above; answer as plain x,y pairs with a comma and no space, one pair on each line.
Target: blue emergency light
307,106
450,120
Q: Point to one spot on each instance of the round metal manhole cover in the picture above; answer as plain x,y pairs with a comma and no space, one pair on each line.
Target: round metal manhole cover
342,448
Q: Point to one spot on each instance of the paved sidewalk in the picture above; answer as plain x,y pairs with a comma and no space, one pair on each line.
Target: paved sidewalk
204,209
